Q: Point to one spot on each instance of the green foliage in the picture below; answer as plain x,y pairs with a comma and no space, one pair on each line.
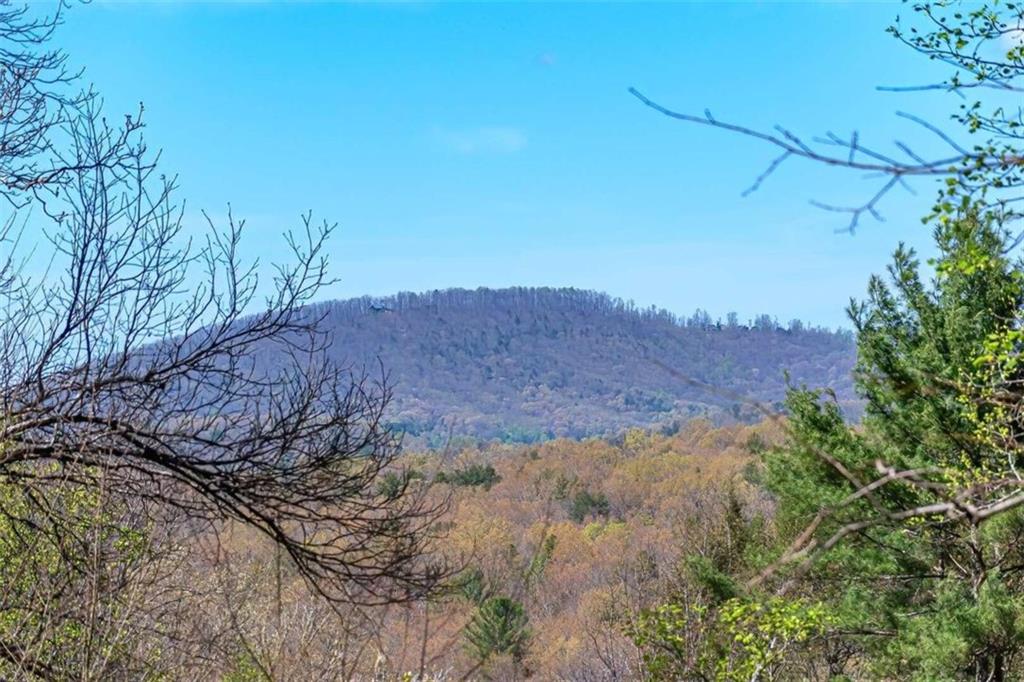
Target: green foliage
594,531
498,627
983,44
473,586
737,640
759,634
908,595
948,640
671,639
932,586
539,561
717,583
246,670
67,553
585,505
393,485
713,629
475,475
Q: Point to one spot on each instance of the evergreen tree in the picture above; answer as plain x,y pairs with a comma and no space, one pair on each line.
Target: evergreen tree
499,626
889,517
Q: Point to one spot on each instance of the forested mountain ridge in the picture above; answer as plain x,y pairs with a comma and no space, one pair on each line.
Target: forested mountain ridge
523,364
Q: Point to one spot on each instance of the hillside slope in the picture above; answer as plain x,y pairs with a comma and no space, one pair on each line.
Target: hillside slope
528,363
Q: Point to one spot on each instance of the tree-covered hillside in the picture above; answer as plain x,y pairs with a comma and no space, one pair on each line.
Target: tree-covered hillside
528,363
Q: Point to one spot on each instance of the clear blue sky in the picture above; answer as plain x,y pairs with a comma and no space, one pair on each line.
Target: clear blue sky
495,144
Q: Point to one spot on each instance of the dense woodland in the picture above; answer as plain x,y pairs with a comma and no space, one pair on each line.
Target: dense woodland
527,364
193,490
577,538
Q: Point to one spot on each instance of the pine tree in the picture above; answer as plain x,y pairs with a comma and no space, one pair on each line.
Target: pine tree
499,626
916,594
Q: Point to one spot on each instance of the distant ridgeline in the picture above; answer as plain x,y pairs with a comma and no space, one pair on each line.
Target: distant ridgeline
525,364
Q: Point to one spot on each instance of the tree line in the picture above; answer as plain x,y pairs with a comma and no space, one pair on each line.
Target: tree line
548,298
171,508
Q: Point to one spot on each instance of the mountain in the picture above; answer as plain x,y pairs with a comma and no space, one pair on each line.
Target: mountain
523,364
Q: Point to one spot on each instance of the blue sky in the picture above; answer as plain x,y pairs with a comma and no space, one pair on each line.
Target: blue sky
495,144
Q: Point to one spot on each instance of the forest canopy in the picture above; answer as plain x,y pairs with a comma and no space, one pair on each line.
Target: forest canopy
200,482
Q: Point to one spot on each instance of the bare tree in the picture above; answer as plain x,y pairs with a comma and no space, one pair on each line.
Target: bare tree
144,358
985,48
